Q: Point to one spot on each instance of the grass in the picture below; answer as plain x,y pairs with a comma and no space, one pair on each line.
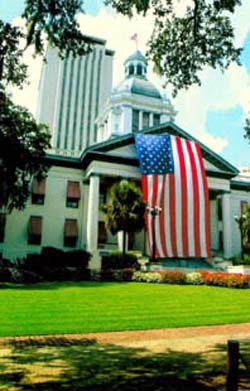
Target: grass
50,308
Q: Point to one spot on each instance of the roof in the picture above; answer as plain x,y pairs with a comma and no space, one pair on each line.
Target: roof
226,168
99,152
144,87
138,86
136,56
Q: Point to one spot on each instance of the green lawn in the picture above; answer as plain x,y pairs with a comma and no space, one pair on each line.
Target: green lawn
49,308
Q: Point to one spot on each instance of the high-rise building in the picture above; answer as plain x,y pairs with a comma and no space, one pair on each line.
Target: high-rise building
72,92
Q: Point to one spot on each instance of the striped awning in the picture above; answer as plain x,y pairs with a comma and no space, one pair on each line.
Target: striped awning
35,225
70,228
73,190
38,186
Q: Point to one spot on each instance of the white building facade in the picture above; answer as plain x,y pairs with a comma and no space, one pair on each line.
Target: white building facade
64,211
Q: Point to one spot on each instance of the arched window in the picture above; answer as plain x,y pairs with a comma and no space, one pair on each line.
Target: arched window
131,70
139,69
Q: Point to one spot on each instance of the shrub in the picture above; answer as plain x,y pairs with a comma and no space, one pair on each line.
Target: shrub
173,276
230,280
116,260
146,277
5,274
139,276
153,277
194,278
51,265
117,274
57,258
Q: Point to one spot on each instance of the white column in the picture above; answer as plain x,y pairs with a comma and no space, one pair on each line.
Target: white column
126,122
151,119
92,219
140,119
227,225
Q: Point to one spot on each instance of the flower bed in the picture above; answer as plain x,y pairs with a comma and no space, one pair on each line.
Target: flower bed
229,280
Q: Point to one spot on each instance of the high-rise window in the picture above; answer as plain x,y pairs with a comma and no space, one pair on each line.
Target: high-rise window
135,120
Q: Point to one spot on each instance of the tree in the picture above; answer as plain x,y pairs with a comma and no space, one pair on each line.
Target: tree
247,128
246,226
22,151
181,46
23,142
125,209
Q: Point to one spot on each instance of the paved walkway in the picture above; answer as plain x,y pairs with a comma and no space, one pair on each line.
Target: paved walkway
188,338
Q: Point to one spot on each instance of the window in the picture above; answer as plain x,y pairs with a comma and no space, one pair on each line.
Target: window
35,230
102,196
145,120
139,69
102,233
2,226
156,119
135,120
38,191
73,194
219,208
131,70
70,233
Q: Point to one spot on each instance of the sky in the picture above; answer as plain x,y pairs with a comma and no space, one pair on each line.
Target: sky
214,113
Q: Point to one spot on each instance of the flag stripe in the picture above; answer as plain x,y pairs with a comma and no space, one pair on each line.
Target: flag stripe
150,219
190,199
201,200
178,200
158,229
172,225
207,206
183,180
196,203
165,219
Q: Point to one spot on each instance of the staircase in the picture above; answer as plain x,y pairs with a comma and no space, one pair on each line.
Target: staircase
192,264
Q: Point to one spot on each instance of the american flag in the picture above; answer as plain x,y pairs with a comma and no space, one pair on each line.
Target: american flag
174,179
134,37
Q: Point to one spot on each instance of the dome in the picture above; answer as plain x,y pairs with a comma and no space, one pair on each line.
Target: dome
136,56
138,86
135,80
144,87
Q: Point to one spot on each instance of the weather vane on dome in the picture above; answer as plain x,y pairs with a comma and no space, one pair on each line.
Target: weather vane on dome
134,37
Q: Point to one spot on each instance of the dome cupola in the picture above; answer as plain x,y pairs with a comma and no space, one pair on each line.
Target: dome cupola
136,65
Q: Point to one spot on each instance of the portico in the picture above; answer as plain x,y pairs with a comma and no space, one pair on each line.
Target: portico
115,159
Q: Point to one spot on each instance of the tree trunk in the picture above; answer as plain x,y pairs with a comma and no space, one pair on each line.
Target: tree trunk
124,243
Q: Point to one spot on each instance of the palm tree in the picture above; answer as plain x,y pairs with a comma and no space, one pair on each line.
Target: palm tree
125,209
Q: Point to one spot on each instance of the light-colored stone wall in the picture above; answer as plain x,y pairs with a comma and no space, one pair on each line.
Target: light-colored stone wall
54,212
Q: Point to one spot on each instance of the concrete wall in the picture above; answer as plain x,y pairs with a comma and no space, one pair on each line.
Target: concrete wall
54,213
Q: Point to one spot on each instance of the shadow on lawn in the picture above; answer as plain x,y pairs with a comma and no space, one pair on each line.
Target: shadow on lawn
53,285
62,364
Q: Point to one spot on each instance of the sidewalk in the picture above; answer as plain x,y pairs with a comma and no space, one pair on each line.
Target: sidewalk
190,338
